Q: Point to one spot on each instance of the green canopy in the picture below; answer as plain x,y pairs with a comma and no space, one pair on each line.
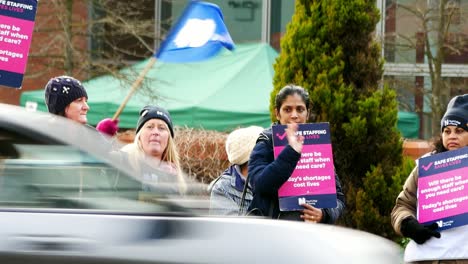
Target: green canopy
230,90
225,92
408,124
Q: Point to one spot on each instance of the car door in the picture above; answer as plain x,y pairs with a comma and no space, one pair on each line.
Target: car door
59,203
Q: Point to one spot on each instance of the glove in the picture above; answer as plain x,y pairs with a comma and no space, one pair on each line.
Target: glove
108,126
411,228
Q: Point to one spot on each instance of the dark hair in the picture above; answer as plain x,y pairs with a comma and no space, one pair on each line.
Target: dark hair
291,89
438,145
61,113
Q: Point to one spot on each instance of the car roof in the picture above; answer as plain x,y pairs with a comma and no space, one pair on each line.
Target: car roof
53,129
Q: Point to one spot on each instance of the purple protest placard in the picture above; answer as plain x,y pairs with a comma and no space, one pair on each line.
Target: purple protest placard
442,189
16,28
313,180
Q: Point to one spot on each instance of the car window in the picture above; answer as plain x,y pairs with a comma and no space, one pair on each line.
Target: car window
39,174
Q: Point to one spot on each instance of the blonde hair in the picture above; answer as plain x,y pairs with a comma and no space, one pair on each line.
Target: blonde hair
170,156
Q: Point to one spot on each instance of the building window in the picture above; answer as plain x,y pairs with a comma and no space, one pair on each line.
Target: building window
405,48
281,14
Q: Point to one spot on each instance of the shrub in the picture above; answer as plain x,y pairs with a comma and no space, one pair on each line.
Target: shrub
202,153
328,49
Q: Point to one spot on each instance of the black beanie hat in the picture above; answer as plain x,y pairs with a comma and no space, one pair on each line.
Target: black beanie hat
61,91
151,112
457,113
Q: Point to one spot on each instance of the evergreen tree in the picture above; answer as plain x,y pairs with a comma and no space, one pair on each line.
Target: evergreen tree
328,49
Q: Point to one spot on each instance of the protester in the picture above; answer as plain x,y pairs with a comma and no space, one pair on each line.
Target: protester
66,96
429,245
230,195
267,174
154,142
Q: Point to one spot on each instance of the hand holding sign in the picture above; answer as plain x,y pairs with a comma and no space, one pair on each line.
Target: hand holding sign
411,228
294,140
311,214
312,181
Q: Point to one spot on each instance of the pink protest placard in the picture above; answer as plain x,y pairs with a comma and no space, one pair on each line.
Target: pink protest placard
442,189
313,180
16,28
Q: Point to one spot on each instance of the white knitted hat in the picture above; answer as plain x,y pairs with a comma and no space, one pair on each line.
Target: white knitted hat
240,143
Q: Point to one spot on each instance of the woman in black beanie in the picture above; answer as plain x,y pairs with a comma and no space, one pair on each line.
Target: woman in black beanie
67,97
154,142
428,245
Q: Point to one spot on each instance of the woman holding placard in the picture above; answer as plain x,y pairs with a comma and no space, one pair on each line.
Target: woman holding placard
268,174
429,245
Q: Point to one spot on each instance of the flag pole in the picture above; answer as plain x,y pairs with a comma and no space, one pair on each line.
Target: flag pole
135,86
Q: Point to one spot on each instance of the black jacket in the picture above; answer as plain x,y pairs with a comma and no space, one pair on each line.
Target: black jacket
267,174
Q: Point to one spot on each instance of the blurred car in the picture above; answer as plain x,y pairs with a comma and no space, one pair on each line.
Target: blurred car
67,195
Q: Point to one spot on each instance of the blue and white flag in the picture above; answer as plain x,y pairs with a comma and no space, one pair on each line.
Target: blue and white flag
199,34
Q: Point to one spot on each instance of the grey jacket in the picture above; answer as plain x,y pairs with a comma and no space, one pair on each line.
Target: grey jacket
226,193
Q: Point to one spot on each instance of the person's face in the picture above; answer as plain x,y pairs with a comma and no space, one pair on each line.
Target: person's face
292,110
154,137
454,137
77,110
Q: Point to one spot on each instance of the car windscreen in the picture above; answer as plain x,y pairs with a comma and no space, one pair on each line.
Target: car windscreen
36,173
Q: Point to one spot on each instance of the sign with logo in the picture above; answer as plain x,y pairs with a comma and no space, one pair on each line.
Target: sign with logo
16,28
443,189
313,180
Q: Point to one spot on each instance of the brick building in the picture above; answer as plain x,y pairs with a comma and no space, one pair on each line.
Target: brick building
48,47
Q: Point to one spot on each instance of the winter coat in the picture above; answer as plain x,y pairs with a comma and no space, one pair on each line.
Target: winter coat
268,174
226,193
451,244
